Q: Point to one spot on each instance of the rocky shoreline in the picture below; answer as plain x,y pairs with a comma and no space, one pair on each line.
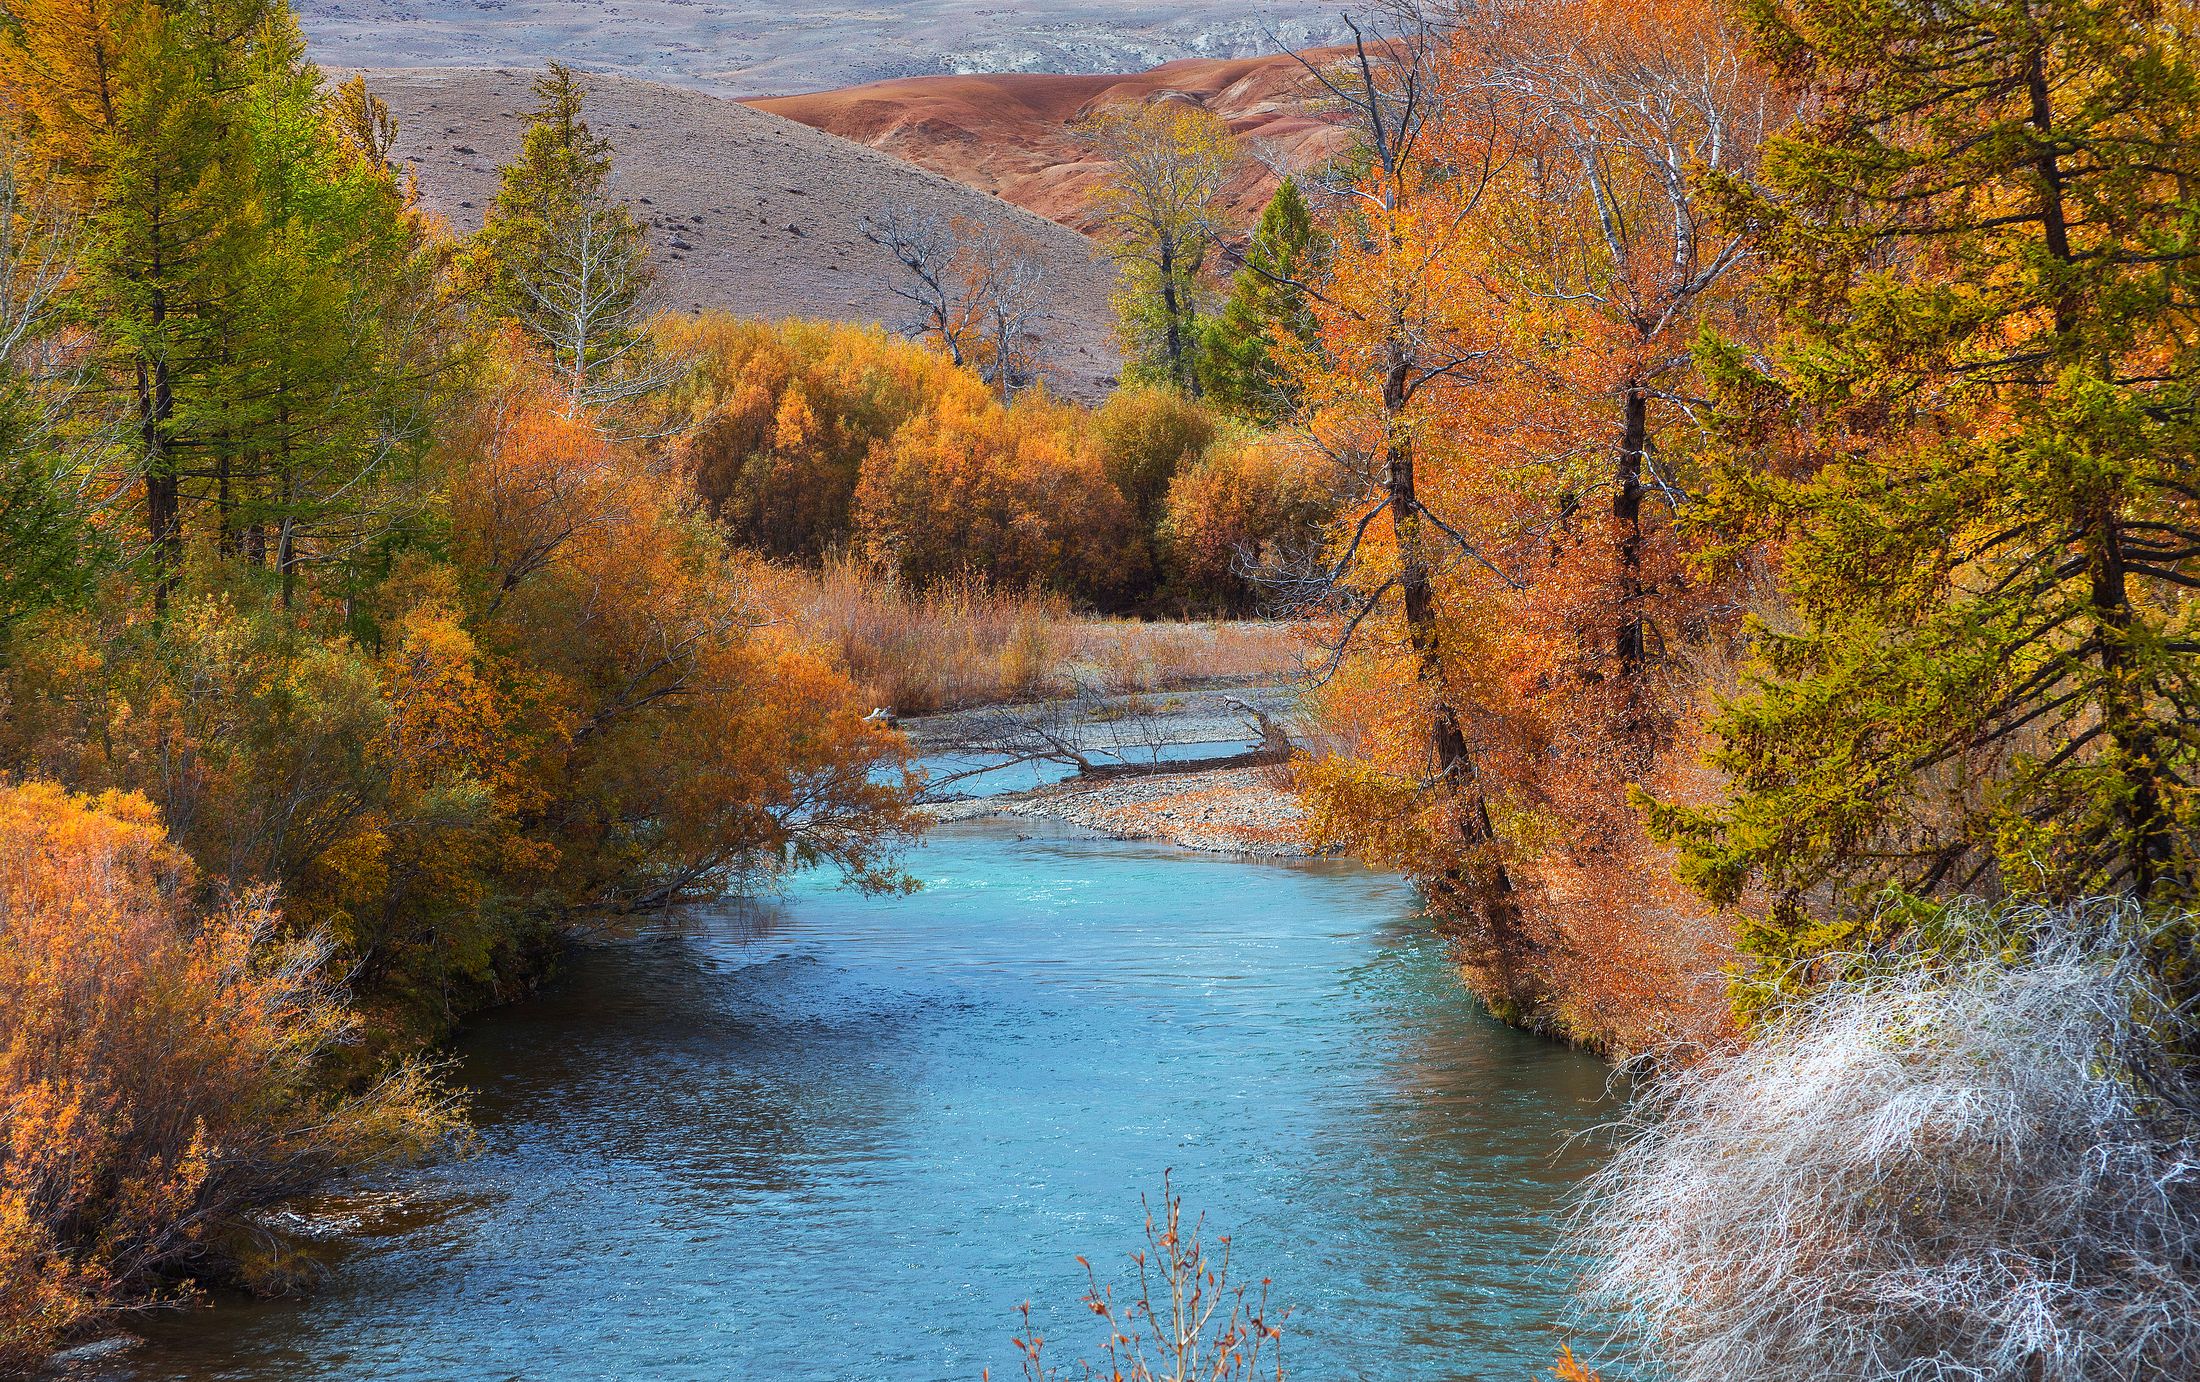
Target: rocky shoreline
1239,811
1247,811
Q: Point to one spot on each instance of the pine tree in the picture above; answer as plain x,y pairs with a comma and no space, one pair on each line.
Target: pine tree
1237,365
1989,495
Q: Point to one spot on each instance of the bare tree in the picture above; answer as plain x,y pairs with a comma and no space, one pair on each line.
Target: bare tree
978,290
924,246
1005,275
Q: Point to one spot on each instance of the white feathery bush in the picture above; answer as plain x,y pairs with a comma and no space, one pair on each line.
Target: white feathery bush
1960,1169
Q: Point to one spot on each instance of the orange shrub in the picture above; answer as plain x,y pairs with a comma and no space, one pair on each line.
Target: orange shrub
776,418
158,1066
1012,496
1247,499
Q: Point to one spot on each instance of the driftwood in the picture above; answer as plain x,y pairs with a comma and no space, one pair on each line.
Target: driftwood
1275,747
1058,731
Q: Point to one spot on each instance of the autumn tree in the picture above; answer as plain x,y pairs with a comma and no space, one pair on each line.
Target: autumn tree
1978,446
1160,214
774,420
1605,251
1401,327
1145,437
163,1068
1014,497
1267,308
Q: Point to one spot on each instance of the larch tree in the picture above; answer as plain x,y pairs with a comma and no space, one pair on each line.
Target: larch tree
1159,212
332,351
124,103
1980,449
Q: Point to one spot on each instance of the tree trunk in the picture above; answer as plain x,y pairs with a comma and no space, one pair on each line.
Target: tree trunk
163,495
1480,878
1174,338
2149,840
1628,635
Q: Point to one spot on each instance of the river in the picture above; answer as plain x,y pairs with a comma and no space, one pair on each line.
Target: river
841,1137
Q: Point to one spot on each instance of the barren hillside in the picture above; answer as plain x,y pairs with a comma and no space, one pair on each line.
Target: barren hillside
747,211
1011,133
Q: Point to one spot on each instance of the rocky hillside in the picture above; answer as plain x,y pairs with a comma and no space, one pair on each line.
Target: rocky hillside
747,211
773,47
1013,133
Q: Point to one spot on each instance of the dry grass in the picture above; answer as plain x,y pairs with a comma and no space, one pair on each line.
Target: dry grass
962,644
1975,1161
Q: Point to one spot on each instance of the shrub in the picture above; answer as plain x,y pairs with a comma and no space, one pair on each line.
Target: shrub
1977,1165
1188,1320
1010,496
1246,501
159,1067
775,419
1146,436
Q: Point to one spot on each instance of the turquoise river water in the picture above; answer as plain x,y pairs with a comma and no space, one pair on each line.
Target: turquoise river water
837,1137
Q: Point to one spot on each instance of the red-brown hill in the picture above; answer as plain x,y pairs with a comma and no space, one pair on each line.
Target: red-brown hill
1013,133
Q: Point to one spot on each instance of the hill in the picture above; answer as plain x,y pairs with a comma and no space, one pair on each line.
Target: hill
1011,133
746,211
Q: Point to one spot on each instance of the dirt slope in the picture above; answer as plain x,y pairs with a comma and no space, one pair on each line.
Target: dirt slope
1010,133
747,211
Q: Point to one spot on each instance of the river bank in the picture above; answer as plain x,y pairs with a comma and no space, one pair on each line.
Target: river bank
1169,768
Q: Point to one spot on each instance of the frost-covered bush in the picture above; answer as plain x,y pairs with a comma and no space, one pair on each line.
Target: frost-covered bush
1981,1167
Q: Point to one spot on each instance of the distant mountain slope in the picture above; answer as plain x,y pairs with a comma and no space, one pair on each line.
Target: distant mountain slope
747,211
1011,133
772,47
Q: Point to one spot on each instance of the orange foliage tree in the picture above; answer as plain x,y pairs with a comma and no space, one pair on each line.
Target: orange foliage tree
685,743
1511,351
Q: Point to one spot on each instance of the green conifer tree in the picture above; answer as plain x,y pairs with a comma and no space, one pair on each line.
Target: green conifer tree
1238,368
1987,509
558,255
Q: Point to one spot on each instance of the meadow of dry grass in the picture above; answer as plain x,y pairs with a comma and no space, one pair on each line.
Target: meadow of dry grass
962,644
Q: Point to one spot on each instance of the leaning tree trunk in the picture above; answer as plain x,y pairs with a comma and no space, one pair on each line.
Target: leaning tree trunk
1477,884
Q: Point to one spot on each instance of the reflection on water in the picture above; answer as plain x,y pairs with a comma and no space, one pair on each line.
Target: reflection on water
841,1138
